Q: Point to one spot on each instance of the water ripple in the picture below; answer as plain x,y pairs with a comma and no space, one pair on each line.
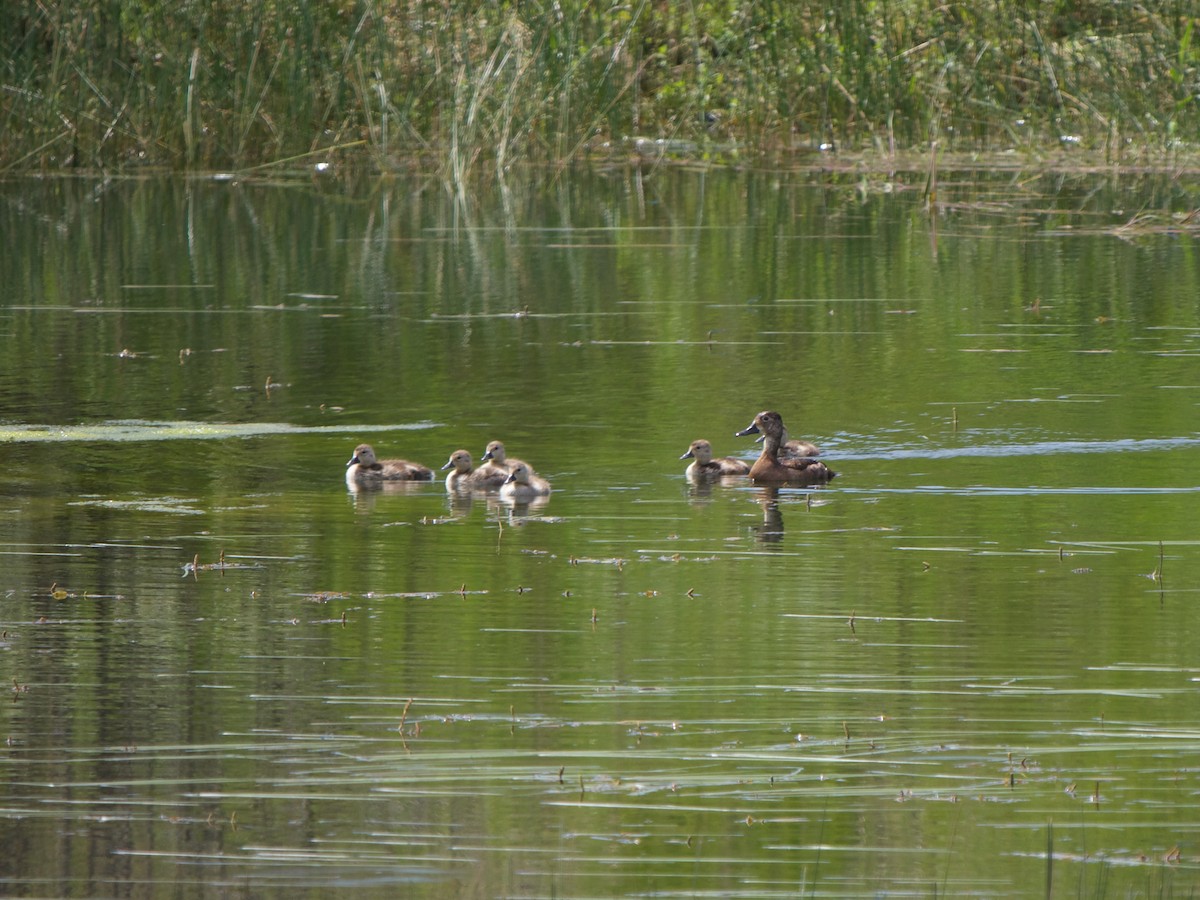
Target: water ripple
1036,448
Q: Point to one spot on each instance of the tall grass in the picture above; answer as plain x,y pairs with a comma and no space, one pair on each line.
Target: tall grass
465,87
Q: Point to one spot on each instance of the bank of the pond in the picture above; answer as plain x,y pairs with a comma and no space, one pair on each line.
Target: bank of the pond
230,84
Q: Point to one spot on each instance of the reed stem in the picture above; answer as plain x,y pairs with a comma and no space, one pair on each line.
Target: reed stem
235,83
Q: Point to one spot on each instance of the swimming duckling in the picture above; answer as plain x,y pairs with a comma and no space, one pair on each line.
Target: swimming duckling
789,448
364,467
796,447
705,467
496,461
464,467
523,485
466,477
769,468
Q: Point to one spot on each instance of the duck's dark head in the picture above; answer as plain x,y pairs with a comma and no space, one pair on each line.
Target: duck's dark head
767,422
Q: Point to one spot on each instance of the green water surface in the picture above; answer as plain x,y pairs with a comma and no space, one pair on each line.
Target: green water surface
967,666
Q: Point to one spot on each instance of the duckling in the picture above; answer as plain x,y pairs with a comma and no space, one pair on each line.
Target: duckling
364,467
464,468
497,463
796,447
792,448
769,468
705,467
522,485
466,477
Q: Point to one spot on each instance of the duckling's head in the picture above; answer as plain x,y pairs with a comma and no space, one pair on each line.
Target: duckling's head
460,461
701,451
519,474
494,452
364,455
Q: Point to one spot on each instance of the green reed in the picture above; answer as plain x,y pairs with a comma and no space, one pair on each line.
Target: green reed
476,87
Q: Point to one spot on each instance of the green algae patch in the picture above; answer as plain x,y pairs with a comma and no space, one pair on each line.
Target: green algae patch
139,430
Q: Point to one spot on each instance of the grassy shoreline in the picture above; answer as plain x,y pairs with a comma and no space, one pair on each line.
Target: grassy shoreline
465,89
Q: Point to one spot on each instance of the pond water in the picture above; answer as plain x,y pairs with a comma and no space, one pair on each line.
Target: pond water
970,665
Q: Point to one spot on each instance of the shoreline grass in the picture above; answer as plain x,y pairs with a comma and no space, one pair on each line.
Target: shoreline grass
468,89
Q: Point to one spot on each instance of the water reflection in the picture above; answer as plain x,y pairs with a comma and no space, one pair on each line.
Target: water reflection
771,530
461,502
368,497
517,511
375,487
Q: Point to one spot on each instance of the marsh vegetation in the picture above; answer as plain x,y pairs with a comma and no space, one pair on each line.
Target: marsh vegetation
463,88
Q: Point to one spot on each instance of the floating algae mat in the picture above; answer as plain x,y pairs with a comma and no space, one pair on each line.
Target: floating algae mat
138,430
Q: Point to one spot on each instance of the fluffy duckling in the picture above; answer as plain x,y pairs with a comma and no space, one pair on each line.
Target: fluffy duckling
705,467
796,447
466,477
496,461
464,467
523,485
769,467
364,467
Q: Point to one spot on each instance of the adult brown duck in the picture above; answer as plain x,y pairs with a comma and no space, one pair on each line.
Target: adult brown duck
790,447
772,467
